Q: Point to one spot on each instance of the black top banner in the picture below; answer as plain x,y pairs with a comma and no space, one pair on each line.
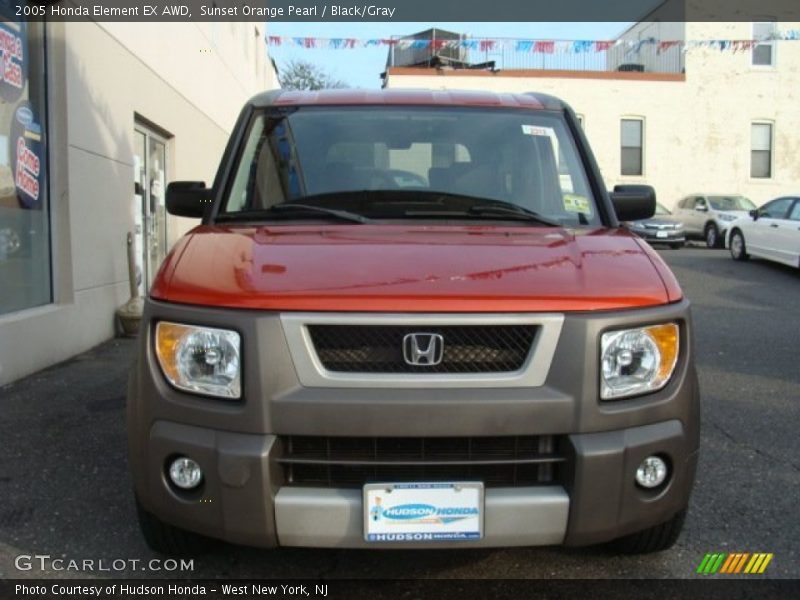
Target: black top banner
429,11
376,589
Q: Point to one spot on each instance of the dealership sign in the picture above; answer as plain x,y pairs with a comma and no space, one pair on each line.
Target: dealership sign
27,155
13,63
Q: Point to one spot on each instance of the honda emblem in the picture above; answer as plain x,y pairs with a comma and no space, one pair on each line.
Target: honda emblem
423,349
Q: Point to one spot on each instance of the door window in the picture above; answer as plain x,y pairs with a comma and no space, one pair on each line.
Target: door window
149,206
775,209
794,214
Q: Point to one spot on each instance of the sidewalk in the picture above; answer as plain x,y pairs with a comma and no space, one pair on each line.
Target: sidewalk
63,461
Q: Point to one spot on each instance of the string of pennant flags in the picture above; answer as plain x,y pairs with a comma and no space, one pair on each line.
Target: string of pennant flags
534,46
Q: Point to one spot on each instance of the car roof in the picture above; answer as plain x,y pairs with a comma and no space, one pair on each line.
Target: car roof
409,97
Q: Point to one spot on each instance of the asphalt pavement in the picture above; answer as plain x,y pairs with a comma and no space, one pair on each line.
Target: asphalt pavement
65,491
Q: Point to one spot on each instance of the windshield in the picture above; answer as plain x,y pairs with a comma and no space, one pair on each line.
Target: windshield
730,203
661,209
412,162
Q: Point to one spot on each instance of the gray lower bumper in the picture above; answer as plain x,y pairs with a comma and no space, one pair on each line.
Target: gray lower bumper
322,517
243,499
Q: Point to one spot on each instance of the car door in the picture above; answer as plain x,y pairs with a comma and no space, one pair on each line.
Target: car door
764,236
788,236
697,215
683,210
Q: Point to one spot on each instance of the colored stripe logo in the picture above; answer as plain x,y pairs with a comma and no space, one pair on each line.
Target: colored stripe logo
735,563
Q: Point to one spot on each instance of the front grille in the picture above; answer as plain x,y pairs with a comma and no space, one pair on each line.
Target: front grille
350,462
379,348
660,226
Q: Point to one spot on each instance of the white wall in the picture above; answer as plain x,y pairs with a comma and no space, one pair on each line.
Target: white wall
191,81
697,131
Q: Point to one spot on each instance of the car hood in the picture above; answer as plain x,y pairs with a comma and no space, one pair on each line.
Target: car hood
413,269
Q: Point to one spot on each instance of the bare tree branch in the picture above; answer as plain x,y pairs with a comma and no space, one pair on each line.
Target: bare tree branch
303,75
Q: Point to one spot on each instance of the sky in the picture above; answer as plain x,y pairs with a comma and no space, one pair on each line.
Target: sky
361,67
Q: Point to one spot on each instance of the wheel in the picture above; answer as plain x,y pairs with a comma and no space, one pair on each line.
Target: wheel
654,539
712,236
167,539
738,249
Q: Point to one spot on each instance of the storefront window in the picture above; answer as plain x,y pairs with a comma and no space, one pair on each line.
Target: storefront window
25,266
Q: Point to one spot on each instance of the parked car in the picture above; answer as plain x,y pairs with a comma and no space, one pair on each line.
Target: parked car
661,228
707,216
771,232
336,359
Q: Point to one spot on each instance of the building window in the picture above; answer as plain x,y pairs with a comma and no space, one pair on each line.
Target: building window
761,150
25,273
764,51
632,145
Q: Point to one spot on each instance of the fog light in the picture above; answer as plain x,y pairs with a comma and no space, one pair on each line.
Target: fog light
185,473
652,472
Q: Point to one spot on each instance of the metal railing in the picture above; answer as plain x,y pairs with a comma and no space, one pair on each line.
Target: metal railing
650,58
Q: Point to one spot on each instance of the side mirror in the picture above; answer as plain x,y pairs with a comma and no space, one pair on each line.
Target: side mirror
701,208
633,202
754,213
188,198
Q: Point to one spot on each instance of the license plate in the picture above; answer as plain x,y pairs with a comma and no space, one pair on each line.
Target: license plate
661,234
423,512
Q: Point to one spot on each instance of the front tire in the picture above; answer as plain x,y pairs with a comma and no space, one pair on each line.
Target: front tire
653,539
712,236
738,249
170,540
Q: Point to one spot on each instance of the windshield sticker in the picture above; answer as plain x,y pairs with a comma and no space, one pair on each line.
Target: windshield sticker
577,204
533,130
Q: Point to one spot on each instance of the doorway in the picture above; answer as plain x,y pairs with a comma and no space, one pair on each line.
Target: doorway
150,164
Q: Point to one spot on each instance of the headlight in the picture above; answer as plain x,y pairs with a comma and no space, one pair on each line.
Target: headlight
728,218
636,361
200,359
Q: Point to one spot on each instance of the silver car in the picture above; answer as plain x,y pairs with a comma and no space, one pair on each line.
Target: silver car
708,216
661,228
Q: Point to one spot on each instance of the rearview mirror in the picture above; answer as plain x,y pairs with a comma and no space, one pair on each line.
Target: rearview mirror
633,202
754,213
188,198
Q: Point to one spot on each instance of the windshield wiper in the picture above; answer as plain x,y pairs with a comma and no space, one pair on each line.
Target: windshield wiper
512,210
290,207
488,208
483,207
498,214
344,215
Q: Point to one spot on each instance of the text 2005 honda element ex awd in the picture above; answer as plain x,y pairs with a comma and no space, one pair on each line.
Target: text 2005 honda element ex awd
411,319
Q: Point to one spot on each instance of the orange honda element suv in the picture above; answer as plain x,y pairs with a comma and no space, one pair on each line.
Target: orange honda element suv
411,319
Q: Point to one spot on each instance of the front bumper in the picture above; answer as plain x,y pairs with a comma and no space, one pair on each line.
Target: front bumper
246,499
662,236
242,502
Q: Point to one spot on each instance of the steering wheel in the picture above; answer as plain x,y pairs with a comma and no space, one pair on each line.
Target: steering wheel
382,180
